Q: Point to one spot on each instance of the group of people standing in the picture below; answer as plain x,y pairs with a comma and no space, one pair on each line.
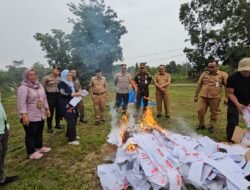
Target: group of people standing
37,102
140,84
209,94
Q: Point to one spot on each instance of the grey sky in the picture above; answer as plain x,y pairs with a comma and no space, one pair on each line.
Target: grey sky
153,28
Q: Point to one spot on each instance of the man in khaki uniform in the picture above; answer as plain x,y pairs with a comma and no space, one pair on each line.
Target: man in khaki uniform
50,83
98,91
78,87
209,89
162,80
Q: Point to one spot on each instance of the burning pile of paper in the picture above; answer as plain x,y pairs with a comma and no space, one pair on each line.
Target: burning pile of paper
151,157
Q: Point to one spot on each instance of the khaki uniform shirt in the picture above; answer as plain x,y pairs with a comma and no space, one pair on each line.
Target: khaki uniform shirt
210,85
162,79
122,82
50,83
98,85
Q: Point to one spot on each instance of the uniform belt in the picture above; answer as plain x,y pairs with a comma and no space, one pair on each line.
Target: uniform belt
98,94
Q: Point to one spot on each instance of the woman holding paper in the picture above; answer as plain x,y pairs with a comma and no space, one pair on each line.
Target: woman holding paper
67,92
33,109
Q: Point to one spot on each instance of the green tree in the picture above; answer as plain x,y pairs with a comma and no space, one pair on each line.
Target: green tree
56,46
96,35
40,70
216,29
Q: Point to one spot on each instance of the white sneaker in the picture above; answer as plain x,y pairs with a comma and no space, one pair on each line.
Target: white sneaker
77,137
74,142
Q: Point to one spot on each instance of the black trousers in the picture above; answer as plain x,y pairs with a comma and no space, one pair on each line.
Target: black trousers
54,106
34,136
121,98
141,94
71,118
3,151
232,121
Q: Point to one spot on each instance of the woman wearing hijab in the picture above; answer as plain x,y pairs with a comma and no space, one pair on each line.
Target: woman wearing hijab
33,109
67,92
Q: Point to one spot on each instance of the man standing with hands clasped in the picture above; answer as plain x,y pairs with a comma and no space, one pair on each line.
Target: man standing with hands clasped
209,89
162,80
122,80
238,89
142,79
98,90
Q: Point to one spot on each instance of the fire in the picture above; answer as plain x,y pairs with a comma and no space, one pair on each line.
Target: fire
131,147
148,118
146,125
124,118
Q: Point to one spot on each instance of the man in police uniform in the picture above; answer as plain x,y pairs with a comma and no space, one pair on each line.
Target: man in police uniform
162,80
142,79
80,105
98,90
209,89
50,83
122,80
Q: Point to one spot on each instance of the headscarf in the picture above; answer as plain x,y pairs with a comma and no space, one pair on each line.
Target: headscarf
64,74
27,82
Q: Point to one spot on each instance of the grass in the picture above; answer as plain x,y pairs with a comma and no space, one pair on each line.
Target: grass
70,167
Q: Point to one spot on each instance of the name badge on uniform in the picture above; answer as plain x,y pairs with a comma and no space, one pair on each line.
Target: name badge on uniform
217,84
39,104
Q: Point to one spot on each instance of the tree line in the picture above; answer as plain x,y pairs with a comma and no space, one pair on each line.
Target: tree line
216,30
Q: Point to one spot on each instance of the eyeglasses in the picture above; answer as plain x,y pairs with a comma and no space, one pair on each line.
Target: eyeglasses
211,67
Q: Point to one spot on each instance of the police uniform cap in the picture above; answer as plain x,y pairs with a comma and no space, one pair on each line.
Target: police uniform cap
123,65
56,67
98,71
143,64
244,64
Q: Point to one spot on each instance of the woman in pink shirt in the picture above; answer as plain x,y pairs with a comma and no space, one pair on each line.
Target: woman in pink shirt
33,109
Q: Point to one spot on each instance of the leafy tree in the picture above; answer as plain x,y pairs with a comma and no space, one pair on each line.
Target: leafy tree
93,43
96,34
40,70
56,46
216,29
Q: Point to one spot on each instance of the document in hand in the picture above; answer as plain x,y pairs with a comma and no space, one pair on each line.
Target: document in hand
74,101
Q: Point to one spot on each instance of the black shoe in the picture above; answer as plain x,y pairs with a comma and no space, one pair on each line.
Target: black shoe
58,127
167,116
103,120
200,127
83,121
97,122
158,115
50,130
9,179
210,129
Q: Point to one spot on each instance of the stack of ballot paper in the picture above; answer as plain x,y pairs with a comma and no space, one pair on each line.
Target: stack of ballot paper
169,160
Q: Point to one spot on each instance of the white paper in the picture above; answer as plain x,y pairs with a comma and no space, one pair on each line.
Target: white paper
84,93
74,101
110,177
246,116
195,173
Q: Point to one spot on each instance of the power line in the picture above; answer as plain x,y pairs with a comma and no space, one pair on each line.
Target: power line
163,58
150,54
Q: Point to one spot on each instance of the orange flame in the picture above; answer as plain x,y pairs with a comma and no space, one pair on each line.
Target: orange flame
131,147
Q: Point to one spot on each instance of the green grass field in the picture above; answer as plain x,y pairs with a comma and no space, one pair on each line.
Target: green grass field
74,167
